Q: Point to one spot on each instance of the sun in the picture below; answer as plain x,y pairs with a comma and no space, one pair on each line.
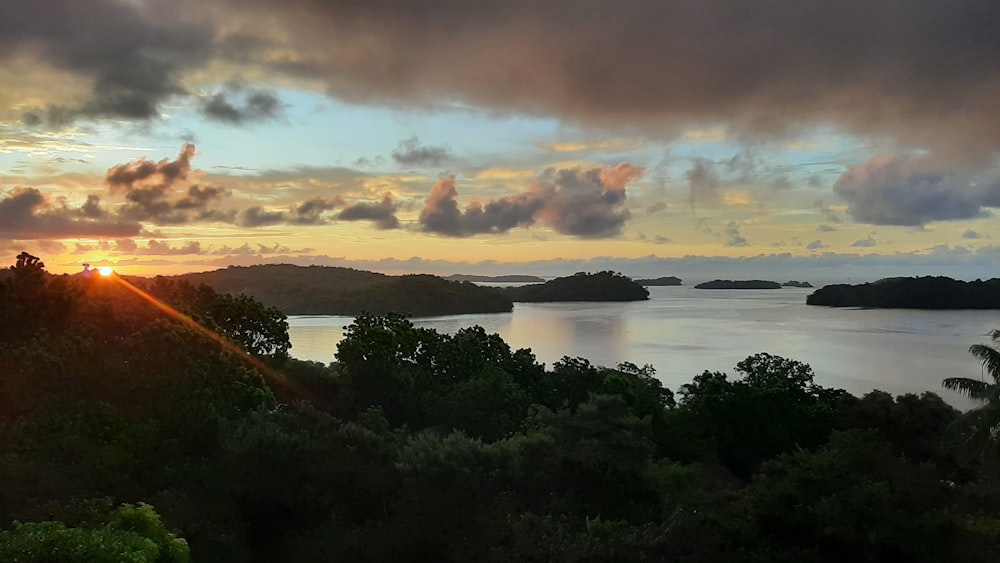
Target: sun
105,271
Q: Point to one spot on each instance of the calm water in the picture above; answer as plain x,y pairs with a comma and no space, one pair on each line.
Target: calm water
683,331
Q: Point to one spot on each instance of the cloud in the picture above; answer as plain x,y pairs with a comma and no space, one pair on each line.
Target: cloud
151,190
132,62
411,153
586,203
383,213
25,214
823,228
310,212
238,104
441,213
761,70
971,234
257,216
733,236
814,245
913,191
703,182
865,242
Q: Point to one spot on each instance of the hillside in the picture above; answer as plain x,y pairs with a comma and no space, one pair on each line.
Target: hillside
738,284
322,290
912,293
495,279
655,282
602,286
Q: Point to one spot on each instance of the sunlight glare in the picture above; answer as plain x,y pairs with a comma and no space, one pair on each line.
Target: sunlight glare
105,271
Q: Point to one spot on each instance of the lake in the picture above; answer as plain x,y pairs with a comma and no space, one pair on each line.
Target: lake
682,331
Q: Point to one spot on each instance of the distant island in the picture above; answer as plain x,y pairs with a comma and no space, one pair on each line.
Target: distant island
912,293
793,283
324,290
602,286
494,279
738,284
327,290
667,280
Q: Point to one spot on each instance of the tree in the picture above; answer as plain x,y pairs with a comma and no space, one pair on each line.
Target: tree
978,428
980,389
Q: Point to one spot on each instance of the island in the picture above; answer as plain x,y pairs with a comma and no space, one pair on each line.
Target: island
602,286
738,284
928,292
325,290
794,283
494,279
656,282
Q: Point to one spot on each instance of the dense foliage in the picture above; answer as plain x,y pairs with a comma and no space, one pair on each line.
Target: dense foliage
321,290
666,280
602,286
495,279
132,434
738,284
926,292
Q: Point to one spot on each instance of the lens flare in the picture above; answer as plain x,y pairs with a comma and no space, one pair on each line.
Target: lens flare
105,271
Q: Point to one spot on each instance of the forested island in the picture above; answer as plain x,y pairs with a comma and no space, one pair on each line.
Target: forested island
912,293
795,283
165,422
655,282
324,290
602,286
495,279
738,284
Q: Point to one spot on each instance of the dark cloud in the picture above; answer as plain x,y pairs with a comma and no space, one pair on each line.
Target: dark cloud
411,153
703,182
814,245
383,213
733,236
442,215
586,203
259,250
151,190
239,105
971,234
914,191
865,242
133,61
310,212
25,215
158,248
928,78
259,217
825,228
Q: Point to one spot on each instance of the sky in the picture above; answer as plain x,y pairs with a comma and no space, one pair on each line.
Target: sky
834,141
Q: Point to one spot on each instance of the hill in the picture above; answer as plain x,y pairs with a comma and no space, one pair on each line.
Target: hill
793,283
495,279
322,290
602,286
912,293
738,284
667,280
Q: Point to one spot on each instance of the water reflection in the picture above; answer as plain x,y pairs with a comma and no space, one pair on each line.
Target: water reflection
682,331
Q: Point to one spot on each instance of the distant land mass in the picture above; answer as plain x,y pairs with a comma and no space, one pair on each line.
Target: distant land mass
738,284
926,292
327,290
667,280
793,283
495,279
602,286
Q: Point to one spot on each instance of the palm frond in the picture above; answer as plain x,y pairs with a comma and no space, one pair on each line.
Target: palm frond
972,388
990,358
